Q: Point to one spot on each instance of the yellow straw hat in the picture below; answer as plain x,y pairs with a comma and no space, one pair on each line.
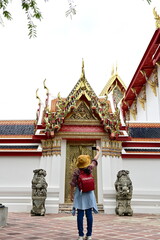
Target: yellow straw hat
83,161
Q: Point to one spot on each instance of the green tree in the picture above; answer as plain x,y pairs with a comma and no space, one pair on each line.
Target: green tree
32,12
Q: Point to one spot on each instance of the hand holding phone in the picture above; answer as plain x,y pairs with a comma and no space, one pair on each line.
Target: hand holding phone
94,148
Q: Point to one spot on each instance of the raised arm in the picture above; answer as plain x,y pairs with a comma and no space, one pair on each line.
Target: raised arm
98,153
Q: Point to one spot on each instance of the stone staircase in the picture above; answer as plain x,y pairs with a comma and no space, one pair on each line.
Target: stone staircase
67,207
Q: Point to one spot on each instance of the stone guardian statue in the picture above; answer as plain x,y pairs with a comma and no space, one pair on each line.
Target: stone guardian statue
124,188
39,192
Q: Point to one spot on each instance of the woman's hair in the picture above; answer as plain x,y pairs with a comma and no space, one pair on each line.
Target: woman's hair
87,170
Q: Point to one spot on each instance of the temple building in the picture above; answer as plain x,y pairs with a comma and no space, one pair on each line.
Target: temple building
124,122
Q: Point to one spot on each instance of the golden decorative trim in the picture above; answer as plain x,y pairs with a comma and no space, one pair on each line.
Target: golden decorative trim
134,91
144,74
111,148
153,82
51,147
80,135
127,116
157,18
158,63
142,98
133,110
127,104
84,122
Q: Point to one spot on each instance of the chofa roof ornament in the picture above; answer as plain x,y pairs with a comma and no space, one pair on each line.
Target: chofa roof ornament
157,18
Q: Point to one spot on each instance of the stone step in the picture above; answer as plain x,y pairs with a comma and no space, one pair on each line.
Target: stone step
67,207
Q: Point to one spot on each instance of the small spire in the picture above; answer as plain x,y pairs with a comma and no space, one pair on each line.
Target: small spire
157,18
112,72
83,73
116,68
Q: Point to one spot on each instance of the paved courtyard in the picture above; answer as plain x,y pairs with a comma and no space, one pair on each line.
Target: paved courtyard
63,226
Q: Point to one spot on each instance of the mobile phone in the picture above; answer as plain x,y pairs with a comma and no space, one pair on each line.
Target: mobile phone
94,148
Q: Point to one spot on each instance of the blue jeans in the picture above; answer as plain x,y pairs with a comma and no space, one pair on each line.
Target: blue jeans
80,215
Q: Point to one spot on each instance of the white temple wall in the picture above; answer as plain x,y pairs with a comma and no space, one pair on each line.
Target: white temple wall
62,171
100,176
144,174
16,174
52,165
16,177
110,168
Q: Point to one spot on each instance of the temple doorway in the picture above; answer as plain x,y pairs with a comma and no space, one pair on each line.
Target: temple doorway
74,149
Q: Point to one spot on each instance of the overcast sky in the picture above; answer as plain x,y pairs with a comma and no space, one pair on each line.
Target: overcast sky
103,33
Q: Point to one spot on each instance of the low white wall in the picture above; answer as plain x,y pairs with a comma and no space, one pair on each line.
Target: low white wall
52,165
110,167
16,174
144,174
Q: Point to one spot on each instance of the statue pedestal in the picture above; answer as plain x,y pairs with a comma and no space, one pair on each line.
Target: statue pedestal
3,216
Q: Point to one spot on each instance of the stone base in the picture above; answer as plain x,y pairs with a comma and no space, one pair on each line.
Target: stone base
3,216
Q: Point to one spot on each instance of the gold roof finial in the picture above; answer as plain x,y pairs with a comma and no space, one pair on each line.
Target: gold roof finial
59,95
112,72
157,18
83,73
38,96
114,69
45,87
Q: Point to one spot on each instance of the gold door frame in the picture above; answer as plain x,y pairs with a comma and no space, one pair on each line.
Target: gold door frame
73,150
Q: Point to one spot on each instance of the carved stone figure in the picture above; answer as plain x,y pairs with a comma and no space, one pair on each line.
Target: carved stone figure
39,192
124,188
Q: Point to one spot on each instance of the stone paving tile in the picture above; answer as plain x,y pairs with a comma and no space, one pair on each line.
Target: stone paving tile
22,226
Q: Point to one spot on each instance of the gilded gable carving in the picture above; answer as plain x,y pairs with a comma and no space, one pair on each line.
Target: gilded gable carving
82,112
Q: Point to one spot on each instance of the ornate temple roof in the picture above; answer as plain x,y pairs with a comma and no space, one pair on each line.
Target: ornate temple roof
150,59
18,128
145,131
144,142
114,81
16,138
145,137
83,107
